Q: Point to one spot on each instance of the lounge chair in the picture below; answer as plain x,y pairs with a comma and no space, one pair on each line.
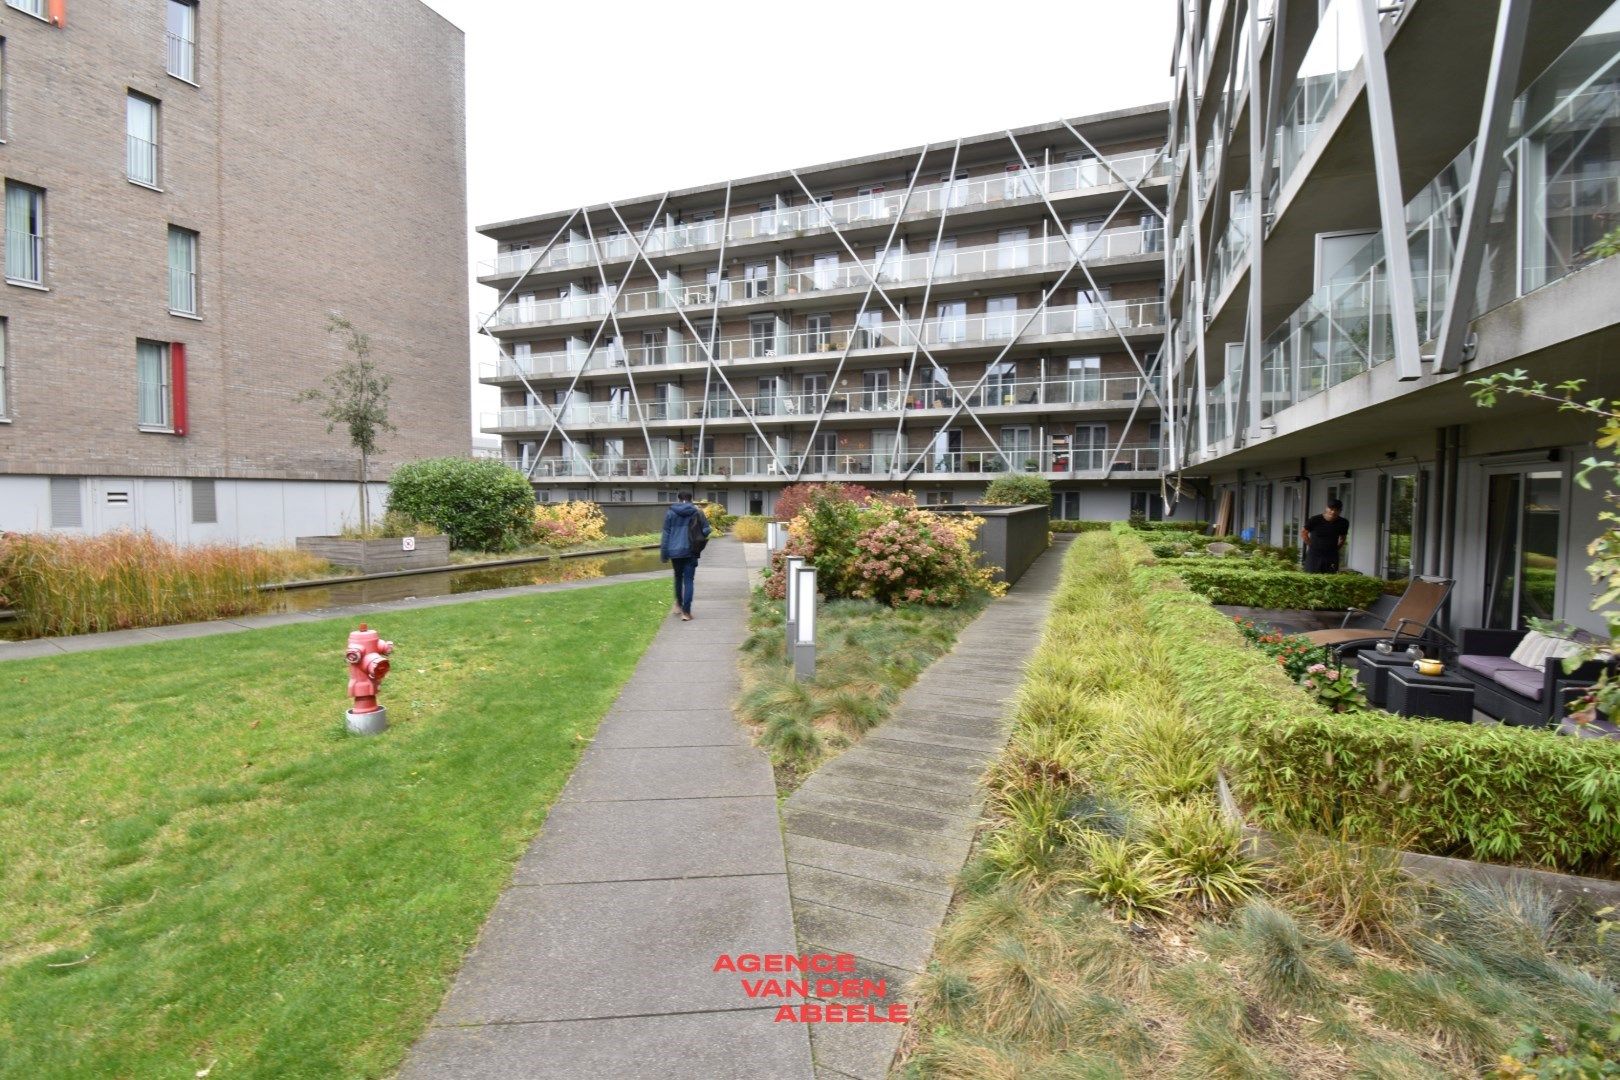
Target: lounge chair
1411,619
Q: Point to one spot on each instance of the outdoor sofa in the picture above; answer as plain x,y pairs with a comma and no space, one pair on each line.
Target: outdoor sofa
1522,694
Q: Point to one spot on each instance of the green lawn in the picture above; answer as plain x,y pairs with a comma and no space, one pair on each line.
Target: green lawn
200,869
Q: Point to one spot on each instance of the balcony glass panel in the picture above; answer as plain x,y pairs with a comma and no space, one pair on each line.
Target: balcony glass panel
1332,58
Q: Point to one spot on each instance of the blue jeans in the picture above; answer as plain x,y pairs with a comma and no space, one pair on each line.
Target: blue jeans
685,570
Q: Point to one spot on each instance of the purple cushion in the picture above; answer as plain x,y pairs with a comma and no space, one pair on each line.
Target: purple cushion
1487,666
1526,682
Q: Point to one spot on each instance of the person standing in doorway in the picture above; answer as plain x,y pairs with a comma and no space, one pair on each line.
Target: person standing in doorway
1324,537
686,531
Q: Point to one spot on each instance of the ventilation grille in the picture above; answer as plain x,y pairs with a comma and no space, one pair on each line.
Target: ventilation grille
67,509
204,504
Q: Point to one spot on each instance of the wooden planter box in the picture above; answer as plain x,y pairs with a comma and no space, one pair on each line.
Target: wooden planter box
378,556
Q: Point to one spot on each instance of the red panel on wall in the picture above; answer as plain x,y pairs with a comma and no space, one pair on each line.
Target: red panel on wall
177,377
57,12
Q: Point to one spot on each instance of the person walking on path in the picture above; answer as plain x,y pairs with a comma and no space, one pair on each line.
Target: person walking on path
1324,536
686,531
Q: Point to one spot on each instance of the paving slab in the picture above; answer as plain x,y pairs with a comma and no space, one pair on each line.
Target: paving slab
948,851
732,1045
619,948
907,906
885,866
876,882
654,838
656,727
663,851
888,811
607,773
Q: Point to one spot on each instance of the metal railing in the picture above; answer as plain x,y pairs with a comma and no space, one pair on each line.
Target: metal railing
1086,463
1100,318
182,58
141,159
857,210
1049,252
1112,391
25,257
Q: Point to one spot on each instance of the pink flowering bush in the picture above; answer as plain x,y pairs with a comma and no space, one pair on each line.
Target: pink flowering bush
894,554
1334,688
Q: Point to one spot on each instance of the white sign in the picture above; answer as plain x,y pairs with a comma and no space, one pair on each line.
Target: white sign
408,543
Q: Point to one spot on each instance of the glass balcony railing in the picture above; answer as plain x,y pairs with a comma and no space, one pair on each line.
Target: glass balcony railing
1115,392
1229,254
1333,57
1011,257
1559,194
876,208
1084,463
1100,318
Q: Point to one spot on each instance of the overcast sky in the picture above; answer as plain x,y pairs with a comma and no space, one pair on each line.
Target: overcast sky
574,103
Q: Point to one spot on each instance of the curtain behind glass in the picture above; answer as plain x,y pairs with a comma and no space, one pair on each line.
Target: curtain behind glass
150,364
21,228
182,270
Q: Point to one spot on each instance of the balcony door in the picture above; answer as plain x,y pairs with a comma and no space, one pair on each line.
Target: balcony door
1000,315
947,454
824,272
1084,375
1018,444
952,321
1523,526
1090,447
1012,249
875,391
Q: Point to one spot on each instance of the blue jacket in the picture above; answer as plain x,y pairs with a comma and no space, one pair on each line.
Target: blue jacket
675,543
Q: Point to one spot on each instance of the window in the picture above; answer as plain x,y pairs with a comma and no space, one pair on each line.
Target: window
25,233
141,140
182,35
67,503
1000,314
204,503
182,271
762,337
4,404
2,89
818,333
155,388
36,8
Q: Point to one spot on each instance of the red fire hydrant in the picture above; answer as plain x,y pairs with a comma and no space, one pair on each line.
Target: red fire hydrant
368,666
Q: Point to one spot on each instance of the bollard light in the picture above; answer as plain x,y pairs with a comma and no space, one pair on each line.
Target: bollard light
803,586
773,536
790,566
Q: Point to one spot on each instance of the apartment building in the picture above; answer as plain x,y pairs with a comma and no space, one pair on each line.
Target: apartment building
190,189
1372,204
925,319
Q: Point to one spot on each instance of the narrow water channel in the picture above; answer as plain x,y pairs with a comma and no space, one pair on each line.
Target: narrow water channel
442,583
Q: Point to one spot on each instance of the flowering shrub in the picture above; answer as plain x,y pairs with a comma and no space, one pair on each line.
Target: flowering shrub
1293,652
793,499
567,523
880,551
1334,688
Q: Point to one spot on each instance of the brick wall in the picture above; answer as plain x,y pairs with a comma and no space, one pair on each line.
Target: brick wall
320,158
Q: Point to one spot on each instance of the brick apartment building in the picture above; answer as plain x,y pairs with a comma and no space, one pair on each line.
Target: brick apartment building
190,188
927,318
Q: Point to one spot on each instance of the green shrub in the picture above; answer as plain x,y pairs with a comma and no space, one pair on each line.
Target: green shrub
392,524
1173,526
1060,525
719,519
1493,793
1223,583
481,504
1019,489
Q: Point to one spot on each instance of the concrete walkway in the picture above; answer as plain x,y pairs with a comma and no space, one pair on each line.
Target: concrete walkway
662,853
117,639
876,837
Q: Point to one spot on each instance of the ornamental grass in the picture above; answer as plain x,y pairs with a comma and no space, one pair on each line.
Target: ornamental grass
61,585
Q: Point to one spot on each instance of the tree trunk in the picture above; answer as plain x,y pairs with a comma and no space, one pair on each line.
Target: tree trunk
365,496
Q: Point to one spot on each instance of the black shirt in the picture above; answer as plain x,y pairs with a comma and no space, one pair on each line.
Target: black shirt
1325,535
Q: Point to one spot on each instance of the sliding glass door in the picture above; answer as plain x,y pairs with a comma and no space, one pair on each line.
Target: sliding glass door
1521,547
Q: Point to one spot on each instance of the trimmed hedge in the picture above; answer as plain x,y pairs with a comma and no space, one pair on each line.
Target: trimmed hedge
1172,526
1491,793
480,503
1019,489
1059,525
1231,582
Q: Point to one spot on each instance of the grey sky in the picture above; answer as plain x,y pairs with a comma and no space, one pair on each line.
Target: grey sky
573,103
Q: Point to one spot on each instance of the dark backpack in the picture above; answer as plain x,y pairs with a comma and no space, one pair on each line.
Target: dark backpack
695,540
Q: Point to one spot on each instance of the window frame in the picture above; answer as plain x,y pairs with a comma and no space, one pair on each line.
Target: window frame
156,141
38,238
42,14
195,311
165,424
5,369
170,37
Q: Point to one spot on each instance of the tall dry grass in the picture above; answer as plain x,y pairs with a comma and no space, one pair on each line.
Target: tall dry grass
87,584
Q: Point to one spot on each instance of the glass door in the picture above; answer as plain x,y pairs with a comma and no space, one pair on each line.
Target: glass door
1399,498
1090,446
1017,444
1521,547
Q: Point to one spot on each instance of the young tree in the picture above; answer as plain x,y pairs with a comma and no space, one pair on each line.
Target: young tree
355,396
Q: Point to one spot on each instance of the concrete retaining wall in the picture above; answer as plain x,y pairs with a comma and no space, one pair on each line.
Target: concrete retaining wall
376,556
1011,538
